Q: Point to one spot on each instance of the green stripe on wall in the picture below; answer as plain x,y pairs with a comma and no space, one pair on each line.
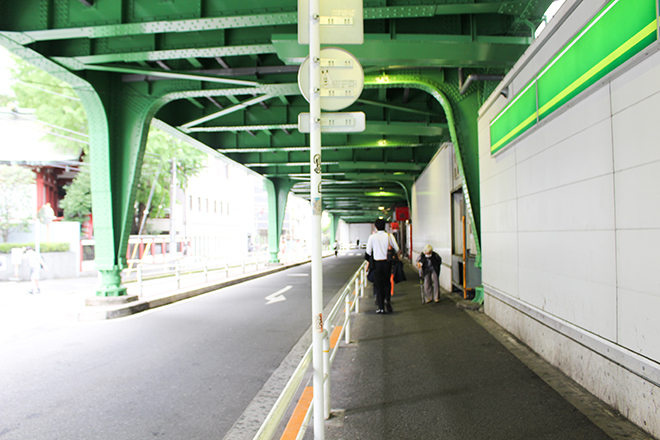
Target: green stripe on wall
621,30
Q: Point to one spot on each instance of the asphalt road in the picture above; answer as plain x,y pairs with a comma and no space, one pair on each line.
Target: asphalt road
184,371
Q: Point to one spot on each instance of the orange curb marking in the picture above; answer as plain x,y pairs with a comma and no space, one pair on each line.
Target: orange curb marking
334,337
298,416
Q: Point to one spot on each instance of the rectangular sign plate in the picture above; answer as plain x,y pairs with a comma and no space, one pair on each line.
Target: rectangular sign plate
349,122
342,21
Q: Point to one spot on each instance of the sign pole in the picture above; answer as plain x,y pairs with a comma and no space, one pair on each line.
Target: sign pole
317,209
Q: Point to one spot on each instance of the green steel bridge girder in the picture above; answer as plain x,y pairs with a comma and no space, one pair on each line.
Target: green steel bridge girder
461,113
278,192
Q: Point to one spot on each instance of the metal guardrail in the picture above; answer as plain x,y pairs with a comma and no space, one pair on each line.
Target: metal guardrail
188,268
350,298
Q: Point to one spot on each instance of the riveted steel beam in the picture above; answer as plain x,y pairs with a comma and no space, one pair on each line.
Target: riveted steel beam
158,27
226,111
420,50
230,72
237,128
168,74
372,127
396,107
257,20
174,54
375,145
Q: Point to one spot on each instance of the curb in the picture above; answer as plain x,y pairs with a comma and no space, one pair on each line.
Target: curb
105,312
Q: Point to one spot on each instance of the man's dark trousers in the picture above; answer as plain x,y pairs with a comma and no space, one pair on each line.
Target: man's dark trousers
382,286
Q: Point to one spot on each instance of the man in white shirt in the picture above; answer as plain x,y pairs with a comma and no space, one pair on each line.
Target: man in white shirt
377,246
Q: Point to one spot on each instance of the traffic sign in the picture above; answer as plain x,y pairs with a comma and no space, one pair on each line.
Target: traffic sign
341,21
349,122
342,78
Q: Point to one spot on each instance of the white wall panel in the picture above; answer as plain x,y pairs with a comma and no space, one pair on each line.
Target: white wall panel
500,217
499,188
592,110
636,84
639,331
637,263
568,208
638,197
500,261
588,256
583,156
489,168
588,305
636,134
431,210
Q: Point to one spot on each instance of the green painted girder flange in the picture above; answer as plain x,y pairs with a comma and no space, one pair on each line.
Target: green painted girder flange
85,62
202,24
372,127
385,144
343,165
419,50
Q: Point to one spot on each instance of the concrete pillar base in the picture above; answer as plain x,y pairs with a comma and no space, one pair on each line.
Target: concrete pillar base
111,283
110,300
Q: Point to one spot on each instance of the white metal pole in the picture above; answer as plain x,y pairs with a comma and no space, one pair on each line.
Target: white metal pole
347,318
326,382
315,177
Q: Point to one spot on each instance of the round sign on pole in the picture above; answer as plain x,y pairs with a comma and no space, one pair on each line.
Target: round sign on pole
342,78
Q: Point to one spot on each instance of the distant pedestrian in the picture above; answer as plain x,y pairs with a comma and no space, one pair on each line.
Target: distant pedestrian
36,263
336,247
376,254
429,264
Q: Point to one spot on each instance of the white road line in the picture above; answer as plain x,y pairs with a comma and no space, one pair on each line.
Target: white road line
274,297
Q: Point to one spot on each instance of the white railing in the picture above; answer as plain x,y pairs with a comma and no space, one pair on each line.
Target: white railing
175,271
190,270
350,298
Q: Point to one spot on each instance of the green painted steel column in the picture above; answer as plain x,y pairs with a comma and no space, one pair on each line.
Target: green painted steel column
461,113
334,224
118,128
278,192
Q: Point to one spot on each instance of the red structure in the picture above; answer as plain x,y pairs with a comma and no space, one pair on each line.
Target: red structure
402,214
48,188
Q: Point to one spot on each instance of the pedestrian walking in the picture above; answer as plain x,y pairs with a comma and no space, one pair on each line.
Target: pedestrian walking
429,264
36,263
376,254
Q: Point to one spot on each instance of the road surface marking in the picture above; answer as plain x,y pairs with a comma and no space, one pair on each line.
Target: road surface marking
275,297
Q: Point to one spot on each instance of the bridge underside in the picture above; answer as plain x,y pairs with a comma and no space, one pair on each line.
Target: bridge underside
225,74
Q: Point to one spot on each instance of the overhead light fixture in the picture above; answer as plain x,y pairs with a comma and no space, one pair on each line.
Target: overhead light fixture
381,208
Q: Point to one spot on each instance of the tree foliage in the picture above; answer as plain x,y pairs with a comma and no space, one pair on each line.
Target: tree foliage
56,103
15,201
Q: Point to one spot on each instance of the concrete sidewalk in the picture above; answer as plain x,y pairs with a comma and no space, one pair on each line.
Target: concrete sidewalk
436,371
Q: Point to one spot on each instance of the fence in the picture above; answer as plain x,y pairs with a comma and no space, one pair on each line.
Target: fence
350,298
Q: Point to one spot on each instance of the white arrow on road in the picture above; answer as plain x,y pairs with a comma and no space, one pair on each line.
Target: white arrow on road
275,297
